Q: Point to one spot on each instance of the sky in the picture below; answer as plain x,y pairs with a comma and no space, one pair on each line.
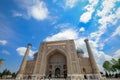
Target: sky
36,21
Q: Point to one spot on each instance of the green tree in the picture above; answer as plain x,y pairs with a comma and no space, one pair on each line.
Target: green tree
14,75
0,75
107,66
106,74
118,64
112,67
6,72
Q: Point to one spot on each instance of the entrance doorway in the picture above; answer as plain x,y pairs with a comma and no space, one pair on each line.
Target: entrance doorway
57,72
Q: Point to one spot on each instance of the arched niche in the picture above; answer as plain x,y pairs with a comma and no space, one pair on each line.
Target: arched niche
56,59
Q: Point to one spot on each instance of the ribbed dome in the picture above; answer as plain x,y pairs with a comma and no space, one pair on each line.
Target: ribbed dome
80,51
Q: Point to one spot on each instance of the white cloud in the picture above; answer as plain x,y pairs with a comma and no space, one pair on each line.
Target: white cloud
85,17
71,3
101,45
39,11
107,6
111,19
16,14
64,34
118,13
5,52
66,3
117,32
117,54
36,9
21,51
100,56
3,42
106,17
82,29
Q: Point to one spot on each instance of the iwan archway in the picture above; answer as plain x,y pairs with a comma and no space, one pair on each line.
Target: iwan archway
56,64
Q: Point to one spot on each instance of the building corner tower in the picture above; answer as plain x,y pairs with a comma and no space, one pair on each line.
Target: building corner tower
94,66
24,61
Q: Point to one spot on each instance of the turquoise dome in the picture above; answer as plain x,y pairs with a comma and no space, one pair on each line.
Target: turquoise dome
79,50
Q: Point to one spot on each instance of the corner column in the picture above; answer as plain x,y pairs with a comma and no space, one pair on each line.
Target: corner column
23,65
94,66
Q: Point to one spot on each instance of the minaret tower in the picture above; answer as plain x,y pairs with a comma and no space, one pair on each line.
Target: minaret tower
94,66
23,65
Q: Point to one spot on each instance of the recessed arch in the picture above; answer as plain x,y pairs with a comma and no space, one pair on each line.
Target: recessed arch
57,59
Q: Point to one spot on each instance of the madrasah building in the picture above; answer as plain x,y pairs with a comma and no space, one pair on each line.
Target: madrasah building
59,59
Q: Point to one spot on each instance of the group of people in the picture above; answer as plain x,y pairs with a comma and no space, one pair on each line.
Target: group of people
57,76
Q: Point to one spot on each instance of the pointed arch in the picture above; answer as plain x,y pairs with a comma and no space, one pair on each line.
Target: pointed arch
56,50
57,58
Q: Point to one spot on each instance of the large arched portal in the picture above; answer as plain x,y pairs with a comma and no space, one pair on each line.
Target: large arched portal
56,64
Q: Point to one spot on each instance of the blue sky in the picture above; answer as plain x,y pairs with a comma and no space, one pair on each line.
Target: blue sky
35,21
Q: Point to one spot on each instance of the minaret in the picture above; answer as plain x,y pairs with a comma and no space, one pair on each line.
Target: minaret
22,67
94,66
